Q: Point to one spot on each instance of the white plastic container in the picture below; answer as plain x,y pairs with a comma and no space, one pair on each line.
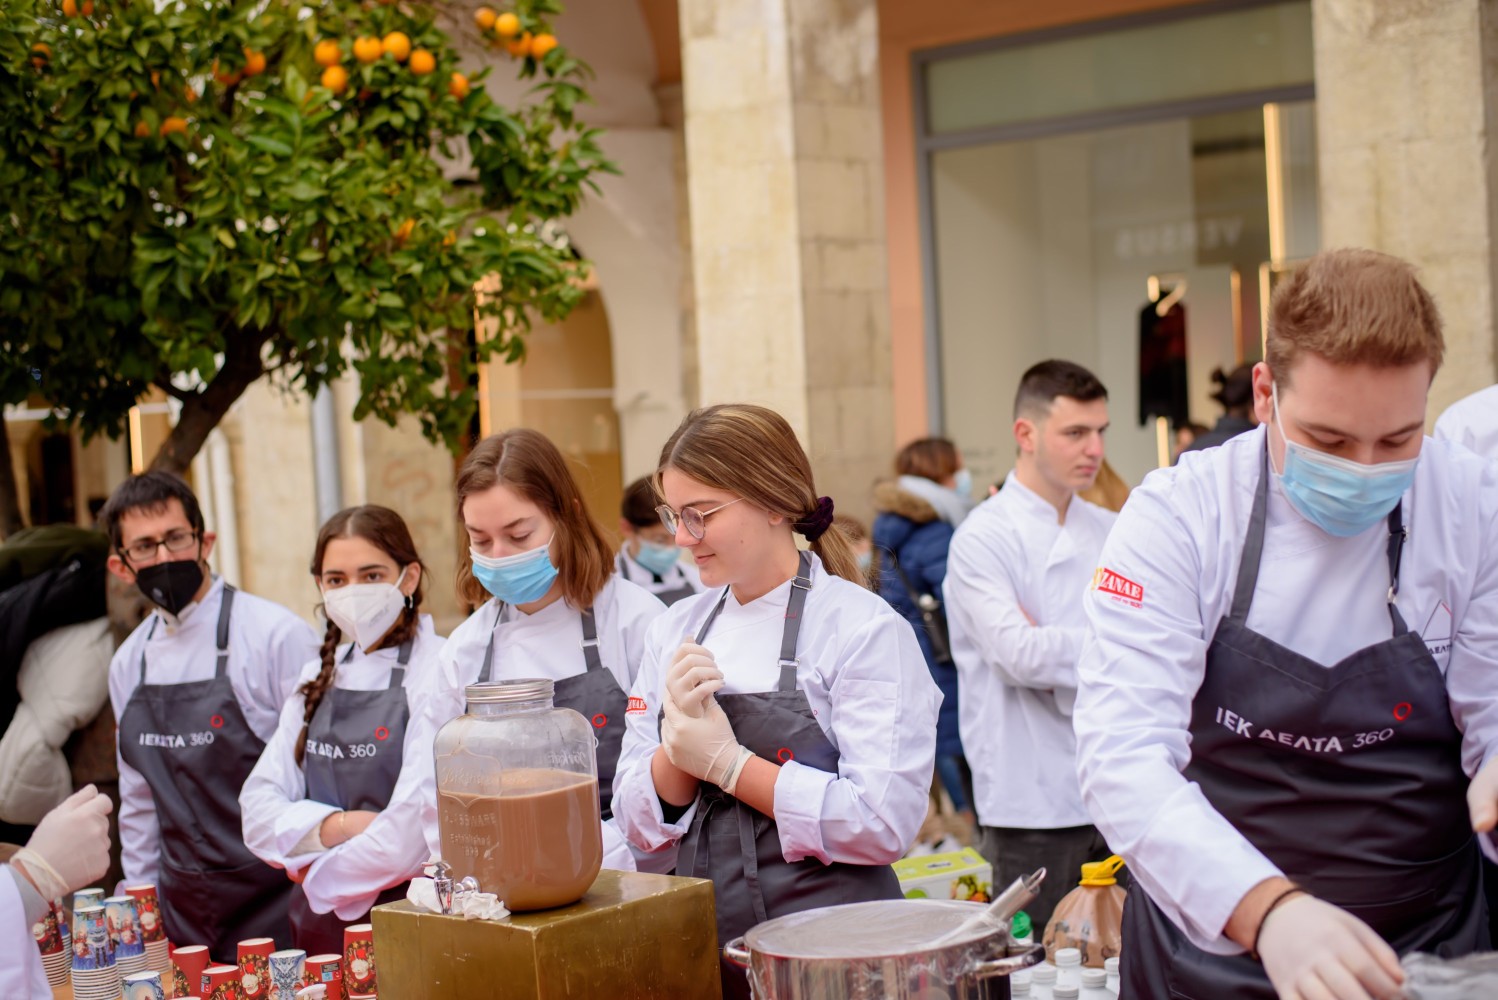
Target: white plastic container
1110,966
1095,985
1065,991
1042,981
1069,967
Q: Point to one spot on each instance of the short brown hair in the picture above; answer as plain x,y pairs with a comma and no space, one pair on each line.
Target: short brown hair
930,458
1044,383
1353,307
752,452
527,462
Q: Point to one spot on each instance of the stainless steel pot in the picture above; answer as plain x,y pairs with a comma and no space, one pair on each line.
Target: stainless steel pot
884,950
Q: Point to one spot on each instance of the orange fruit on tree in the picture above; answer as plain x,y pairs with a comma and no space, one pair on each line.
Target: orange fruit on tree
422,62
367,49
542,44
335,78
41,54
254,62
227,79
404,232
142,130
458,86
484,17
173,124
69,8
507,24
190,94
397,46
518,47
326,53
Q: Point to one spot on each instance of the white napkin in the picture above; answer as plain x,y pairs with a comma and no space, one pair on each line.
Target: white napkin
468,905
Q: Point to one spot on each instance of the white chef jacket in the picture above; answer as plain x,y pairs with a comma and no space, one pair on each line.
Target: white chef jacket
1017,681
862,671
545,644
267,647
676,576
1172,566
1473,422
22,976
277,815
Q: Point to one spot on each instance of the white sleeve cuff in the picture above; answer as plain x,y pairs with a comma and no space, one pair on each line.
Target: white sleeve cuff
799,791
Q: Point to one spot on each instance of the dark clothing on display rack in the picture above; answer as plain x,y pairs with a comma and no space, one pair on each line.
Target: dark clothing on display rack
1162,365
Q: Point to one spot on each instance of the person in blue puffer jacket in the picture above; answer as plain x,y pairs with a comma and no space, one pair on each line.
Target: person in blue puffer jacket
916,515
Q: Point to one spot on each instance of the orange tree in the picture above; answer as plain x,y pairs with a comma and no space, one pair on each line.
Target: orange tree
203,194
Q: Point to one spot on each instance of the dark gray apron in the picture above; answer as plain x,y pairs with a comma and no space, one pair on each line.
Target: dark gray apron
667,595
192,745
736,845
593,694
1376,823
369,729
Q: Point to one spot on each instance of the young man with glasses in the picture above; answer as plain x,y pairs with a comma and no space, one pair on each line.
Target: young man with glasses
197,689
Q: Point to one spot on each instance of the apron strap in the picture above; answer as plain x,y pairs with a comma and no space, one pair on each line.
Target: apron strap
405,654
1253,546
623,569
794,609
223,631
590,641
1397,537
486,671
149,632
750,856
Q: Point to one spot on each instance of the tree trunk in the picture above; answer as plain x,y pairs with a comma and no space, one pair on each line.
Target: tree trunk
11,520
202,413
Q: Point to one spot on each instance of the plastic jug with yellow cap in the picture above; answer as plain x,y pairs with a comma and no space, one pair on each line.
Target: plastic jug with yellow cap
1090,918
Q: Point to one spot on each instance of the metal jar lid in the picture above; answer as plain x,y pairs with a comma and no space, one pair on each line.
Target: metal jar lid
509,692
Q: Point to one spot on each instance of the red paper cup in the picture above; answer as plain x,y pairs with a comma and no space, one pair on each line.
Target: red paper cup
326,970
358,959
149,905
188,963
254,967
221,982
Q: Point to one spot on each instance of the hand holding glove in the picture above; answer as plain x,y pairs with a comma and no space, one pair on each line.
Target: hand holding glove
703,745
692,678
70,847
1482,798
1313,950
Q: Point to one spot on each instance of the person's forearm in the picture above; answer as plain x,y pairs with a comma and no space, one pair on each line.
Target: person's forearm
672,784
756,785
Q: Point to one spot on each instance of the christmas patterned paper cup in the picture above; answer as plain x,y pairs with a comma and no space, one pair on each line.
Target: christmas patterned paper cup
188,963
47,934
359,959
327,970
144,986
91,946
221,982
286,973
124,927
254,967
148,905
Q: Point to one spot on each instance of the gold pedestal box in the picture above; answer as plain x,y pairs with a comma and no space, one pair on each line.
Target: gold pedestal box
632,937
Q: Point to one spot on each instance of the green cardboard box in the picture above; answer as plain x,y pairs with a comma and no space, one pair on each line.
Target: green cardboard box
954,875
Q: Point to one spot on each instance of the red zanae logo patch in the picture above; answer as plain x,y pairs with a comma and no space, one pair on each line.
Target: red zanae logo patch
636,705
1118,587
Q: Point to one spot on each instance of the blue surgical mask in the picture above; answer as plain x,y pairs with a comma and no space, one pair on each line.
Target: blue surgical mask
656,558
865,560
517,579
1339,496
963,486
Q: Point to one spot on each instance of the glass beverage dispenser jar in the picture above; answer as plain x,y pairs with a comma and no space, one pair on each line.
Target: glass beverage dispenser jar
517,796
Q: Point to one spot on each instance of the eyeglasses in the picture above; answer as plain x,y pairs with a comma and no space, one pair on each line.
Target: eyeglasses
144,549
694,520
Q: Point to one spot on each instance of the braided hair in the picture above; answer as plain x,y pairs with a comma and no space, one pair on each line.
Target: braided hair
383,528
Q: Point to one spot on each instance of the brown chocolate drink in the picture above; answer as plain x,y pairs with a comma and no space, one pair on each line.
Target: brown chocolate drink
534,844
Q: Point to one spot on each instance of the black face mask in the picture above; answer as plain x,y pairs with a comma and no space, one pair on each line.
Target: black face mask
172,585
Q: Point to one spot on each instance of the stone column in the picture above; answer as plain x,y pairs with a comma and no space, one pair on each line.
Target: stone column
1407,107
785,183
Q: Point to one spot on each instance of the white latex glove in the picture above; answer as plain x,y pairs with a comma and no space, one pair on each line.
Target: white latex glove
70,847
1313,950
1482,798
703,746
692,678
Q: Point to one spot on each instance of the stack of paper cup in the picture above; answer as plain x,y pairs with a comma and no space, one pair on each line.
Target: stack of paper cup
57,955
64,925
254,967
124,932
358,961
286,969
326,970
221,982
95,976
152,929
144,986
188,963
317,991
